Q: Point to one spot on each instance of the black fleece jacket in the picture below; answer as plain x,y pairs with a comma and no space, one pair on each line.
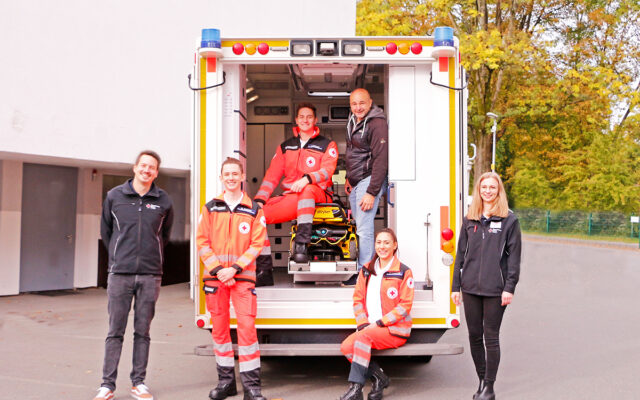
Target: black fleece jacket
136,229
488,256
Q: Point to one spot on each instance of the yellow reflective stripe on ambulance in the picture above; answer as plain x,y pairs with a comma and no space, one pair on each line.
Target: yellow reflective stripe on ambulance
332,321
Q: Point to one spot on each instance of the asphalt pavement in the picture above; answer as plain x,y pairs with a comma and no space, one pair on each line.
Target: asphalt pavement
571,333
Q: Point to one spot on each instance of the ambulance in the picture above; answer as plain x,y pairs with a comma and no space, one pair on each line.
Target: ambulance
245,92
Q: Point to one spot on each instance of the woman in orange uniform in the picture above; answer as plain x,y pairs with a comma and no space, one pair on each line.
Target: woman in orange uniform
382,302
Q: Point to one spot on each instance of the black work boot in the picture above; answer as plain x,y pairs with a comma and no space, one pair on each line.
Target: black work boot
487,392
380,381
300,253
264,270
480,386
354,392
251,385
253,394
226,384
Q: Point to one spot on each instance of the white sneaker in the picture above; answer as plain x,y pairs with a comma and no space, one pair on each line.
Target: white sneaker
141,392
104,393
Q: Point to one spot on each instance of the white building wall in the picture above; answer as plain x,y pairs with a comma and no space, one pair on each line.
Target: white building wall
90,83
102,80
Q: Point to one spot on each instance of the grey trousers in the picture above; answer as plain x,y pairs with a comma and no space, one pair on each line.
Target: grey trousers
121,290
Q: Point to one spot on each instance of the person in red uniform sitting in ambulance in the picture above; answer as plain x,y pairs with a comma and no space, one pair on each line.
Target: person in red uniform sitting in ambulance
307,162
231,233
382,303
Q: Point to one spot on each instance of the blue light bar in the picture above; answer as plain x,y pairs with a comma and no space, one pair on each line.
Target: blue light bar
443,36
210,38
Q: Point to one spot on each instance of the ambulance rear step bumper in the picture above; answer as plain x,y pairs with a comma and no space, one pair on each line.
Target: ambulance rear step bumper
330,349
324,267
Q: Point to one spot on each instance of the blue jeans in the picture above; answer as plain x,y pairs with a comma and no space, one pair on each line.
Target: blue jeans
121,289
364,220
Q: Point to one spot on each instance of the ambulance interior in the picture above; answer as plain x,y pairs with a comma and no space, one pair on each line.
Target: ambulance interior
272,93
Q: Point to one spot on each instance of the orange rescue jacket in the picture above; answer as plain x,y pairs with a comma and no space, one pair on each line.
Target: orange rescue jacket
231,238
316,160
396,297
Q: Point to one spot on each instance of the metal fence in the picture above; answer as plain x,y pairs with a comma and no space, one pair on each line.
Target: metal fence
607,223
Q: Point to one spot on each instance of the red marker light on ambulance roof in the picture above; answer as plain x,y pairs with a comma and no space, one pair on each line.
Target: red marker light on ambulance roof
263,48
455,323
238,49
200,323
447,234
392,48
416,48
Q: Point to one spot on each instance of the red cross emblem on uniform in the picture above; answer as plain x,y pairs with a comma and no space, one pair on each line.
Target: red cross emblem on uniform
244,228
392,293
311,161
332,152
410,283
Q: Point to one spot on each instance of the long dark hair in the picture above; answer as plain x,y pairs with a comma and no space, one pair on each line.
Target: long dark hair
372,264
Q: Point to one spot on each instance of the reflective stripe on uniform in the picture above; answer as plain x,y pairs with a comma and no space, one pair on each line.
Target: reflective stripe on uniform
399,331
266,251
248,350
222,348
400,310
360,360
306,203
225,361
249,365
204,251
305,219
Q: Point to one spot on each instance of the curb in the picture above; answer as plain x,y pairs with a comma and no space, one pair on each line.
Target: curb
583,242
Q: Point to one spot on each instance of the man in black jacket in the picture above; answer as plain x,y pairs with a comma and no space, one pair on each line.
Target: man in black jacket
136,223
367,164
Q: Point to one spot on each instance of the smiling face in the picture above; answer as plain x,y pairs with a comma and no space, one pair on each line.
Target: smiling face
360,103
232,178
385,246
489,190
146,170
306,120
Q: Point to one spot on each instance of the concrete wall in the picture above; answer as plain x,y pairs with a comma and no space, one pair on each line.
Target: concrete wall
89,208
10,221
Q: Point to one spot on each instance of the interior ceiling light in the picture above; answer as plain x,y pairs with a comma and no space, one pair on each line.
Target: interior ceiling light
329,94
252,98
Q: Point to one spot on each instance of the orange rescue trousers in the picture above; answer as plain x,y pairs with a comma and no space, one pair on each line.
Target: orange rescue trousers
290,206
243,296
357,348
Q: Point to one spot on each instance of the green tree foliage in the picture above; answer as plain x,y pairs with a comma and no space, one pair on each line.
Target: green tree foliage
563,76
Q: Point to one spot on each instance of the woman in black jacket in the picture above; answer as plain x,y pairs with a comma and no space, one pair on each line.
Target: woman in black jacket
486,272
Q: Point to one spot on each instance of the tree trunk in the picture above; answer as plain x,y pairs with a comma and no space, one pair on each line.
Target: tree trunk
483,154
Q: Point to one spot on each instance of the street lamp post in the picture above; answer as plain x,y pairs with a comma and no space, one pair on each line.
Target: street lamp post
494,128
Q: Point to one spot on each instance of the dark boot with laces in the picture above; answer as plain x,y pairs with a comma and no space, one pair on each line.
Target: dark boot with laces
354,392
380,381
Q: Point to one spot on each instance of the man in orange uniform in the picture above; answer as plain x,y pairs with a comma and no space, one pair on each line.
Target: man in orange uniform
231,233
307,161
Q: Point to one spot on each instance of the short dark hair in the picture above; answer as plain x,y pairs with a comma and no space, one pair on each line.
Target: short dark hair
231,160
148,153
306,105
